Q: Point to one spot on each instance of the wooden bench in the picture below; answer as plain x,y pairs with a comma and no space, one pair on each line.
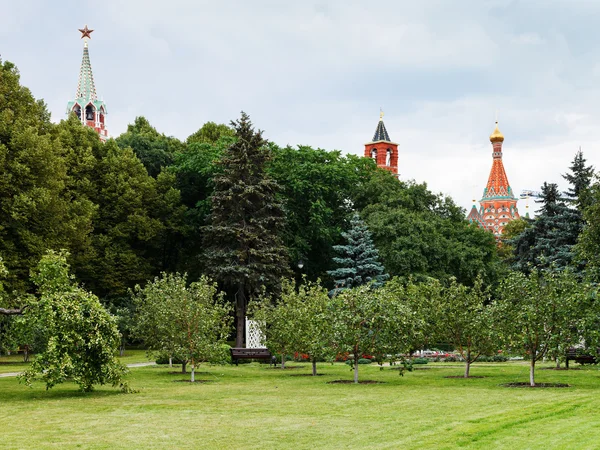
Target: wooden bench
579,355
238,353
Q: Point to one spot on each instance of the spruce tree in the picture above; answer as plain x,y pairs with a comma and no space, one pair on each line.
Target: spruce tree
242,248
550,239
580,180
358,259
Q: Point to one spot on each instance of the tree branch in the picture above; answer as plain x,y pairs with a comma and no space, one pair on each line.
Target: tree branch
12,312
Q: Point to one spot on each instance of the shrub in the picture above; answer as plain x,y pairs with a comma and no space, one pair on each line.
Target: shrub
420,361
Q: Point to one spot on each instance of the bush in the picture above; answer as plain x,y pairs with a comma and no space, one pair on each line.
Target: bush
420,361
360,361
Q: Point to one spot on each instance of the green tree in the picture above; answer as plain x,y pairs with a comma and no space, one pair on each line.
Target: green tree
275,320
462,317
358,260
420,235
317,190
551,238
190,322
153,149
372,322
580,180
210,133
588,247
540,314
38,207
300,321
195,169
137,227
80,337
242,247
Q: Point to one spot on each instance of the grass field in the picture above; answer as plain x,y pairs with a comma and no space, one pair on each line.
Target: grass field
254,406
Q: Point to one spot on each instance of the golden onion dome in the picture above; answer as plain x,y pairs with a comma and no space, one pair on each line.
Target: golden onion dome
496,136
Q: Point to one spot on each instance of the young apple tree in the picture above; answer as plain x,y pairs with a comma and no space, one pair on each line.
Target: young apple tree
192,321
462,317
370,321
540,313
78,336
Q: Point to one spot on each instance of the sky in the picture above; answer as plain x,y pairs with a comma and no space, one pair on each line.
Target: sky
317,73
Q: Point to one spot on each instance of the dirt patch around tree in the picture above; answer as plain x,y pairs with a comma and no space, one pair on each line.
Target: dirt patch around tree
463,377
306,375
187,373
352,382
537,385
287,367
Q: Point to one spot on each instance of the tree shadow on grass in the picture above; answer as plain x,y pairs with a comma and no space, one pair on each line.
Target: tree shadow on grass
352,382
20,392
193,382
306,375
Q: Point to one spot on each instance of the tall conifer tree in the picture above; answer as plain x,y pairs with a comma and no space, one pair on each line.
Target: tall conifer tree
358,259
242,247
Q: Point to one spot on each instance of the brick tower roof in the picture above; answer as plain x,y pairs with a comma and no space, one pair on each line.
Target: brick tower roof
381,133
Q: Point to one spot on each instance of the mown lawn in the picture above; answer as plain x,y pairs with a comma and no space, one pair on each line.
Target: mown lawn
253,406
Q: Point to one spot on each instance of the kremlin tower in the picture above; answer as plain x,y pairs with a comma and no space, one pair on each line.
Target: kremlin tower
90,110
382,149
498,206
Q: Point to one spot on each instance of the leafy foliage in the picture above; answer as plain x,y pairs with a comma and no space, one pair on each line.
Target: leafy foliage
155,150
462,316
423,235
541,313
80,337
300,321
317,192
189,323
370,322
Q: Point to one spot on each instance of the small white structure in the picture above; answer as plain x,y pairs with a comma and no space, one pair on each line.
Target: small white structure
254,337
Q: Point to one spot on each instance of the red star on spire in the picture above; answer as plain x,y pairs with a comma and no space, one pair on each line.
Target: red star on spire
85,32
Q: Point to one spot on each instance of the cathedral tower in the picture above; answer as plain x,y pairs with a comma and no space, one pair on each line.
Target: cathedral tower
382,149
90,110
498,206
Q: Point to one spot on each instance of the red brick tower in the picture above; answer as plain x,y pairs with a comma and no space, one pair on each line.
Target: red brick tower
498,206
382,149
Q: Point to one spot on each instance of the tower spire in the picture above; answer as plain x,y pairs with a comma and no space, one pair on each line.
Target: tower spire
91,111
498,205
382,149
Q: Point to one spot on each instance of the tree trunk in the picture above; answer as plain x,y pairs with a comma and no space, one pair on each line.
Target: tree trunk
532,372
283,360
26,354
122,348
467,368
183,366
314,366
170,361
193,372
557,363
356,367
240,315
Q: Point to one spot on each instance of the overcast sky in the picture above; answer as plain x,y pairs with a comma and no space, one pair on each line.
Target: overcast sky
317,72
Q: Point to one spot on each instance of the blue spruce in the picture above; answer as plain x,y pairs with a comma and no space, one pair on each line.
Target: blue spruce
358,260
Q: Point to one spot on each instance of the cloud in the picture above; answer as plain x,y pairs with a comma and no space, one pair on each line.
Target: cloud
316,72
